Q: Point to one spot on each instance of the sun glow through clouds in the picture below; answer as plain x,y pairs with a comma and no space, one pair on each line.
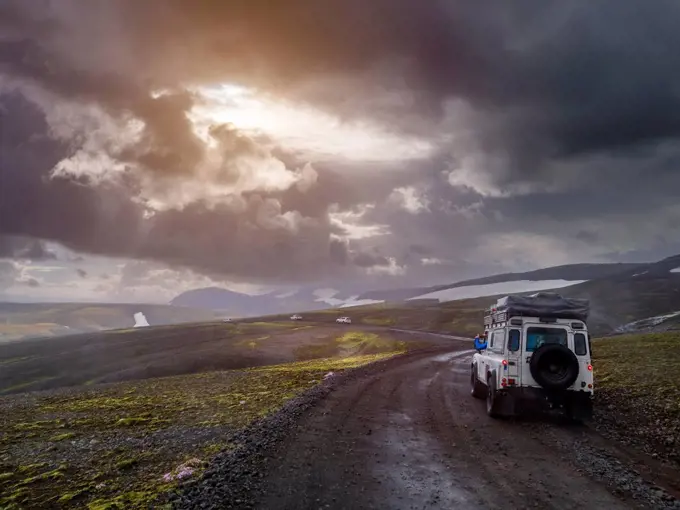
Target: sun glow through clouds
300,127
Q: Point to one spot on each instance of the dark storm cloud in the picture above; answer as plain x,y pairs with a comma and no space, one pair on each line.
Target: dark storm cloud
565,102
24,248
252,238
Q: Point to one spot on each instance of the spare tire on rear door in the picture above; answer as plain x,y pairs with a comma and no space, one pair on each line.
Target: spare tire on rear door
554,367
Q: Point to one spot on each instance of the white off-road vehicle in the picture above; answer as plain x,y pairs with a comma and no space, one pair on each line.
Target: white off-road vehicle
296,317
537,357
343,320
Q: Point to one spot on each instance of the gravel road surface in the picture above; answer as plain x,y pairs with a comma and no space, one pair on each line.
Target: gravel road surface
409,436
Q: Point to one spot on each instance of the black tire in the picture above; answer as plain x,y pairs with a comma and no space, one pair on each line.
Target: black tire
477,389
554,367
491,398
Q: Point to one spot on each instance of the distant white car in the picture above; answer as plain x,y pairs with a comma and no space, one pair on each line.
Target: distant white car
226,320
343,320
296,317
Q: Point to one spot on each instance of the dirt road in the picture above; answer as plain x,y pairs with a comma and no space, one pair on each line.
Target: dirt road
412,437
406,434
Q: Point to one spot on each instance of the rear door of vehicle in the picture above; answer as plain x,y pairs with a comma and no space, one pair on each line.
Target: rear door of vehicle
535,335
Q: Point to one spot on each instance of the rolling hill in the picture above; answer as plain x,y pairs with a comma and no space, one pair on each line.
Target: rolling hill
617,299
307,298
571,272
237,304
20,320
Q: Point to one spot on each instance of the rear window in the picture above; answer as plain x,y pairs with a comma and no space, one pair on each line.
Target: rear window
513,340
580,344
541,336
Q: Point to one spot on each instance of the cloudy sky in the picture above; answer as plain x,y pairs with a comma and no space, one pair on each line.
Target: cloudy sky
151,147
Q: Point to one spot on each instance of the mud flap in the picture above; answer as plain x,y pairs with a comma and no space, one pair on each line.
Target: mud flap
579,408
505,405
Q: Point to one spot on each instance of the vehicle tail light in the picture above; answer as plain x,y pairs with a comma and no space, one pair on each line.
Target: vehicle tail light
590,386
504,382
505,362
511,382
590,368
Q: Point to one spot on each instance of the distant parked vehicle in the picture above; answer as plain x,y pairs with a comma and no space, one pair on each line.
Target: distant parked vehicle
226,320
296,317
343,320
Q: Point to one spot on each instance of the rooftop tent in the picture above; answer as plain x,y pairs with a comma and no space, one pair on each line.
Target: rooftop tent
544,304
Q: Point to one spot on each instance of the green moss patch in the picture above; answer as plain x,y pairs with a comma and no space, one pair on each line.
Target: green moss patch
351,343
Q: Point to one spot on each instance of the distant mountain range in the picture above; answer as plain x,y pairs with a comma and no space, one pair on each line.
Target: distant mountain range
571,272
624,297
620,294
642,297
308,299
236,304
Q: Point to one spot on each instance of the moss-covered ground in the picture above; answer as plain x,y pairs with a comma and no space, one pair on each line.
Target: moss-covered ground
638,390
110,446
646,366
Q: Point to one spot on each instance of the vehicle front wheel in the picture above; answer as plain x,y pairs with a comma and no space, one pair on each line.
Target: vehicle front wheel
477,389
492,398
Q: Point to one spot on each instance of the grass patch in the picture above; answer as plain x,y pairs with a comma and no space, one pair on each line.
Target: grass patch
637,390
62,437
25,385
267,325
170,419
350,343
379,321
642,365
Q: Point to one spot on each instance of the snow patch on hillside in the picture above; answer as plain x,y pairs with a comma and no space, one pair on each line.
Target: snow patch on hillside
140,320
329,296
360,302
647,323
474,291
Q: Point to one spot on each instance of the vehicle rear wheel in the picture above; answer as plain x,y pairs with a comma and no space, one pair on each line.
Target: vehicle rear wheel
492,398
477,389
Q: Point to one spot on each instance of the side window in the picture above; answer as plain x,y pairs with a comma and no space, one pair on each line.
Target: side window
514,340
580,344
490,341
498,340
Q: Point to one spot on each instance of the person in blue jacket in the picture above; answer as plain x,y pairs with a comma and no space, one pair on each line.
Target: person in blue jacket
480,343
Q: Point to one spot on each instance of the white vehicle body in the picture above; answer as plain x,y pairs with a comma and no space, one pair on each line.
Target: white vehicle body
296,317
226,320
506,372
344,320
